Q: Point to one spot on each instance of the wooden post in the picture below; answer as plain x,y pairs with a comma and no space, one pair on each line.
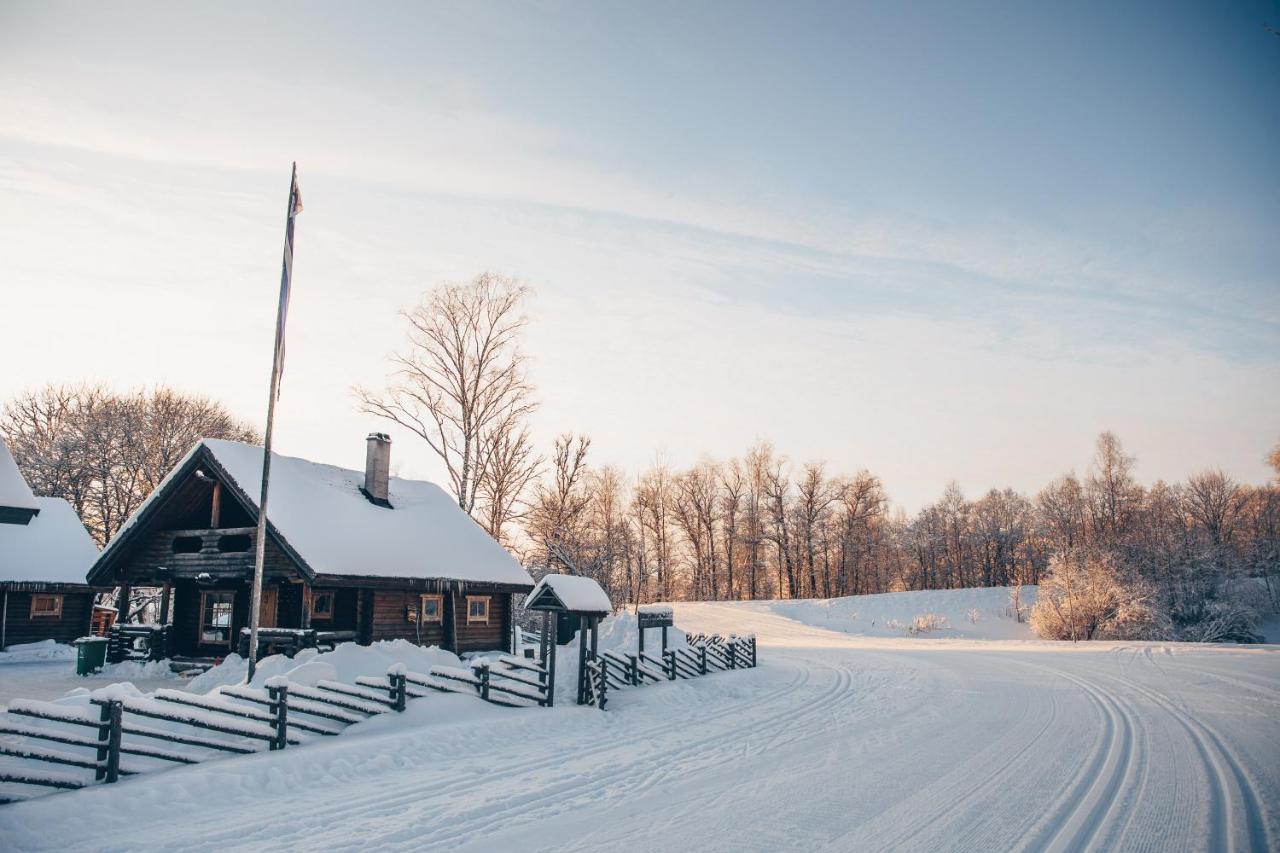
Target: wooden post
664,639
543,652
122,604
753,650
508,624
451,621
603,690
279,708
595,637
399,692
642,641
633,672
115,711
582,660
702,659
164,602
670,658
550,663
733,654
104,739
482,670
304,620
215,514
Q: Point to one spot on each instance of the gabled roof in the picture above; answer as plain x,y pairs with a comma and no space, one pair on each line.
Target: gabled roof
569,594
17,504
53,547
319,516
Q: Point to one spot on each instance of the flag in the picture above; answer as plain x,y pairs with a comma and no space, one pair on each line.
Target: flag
286,277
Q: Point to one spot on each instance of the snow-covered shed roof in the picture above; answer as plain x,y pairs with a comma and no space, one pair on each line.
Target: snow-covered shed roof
572,593
53,547
15,494
320,514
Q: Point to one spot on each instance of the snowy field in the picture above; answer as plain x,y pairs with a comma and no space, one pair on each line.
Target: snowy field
847,737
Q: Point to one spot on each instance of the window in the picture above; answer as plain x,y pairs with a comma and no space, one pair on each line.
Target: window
477,609
215,617
234,543
187,544
432,608
322,605
46,605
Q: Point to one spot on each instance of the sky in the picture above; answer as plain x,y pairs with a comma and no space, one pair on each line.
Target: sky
940,241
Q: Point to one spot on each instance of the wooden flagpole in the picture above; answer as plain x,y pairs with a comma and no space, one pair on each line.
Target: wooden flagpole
255,601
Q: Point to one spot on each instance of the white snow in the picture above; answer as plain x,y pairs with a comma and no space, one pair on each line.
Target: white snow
14,491
320,511
53,547
575,593
836,742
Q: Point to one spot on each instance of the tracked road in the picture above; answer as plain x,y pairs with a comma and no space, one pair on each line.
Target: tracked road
835,743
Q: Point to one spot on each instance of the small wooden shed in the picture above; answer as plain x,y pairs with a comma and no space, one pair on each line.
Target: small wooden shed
573,599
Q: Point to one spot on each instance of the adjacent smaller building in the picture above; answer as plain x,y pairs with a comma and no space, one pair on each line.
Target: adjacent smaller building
45,553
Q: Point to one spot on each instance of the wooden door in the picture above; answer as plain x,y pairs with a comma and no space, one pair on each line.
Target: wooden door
268,606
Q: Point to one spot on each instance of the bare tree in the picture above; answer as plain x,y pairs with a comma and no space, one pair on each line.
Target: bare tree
103,451
513,465
460,385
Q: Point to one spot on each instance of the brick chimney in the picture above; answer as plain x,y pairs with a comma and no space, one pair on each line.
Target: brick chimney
377,468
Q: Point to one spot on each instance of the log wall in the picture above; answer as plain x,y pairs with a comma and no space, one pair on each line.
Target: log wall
19,627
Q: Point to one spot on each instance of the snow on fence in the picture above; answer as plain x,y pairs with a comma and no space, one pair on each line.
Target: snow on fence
238,720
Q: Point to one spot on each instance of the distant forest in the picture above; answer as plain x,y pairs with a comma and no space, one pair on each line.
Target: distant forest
1197,560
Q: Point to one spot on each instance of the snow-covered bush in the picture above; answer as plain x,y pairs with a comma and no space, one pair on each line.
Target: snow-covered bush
973,615
926,622
1085,596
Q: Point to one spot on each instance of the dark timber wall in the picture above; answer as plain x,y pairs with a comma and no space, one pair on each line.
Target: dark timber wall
19,627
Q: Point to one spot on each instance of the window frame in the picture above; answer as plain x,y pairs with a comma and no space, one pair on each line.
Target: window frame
438,619
325,616
478,620
223,596
55,613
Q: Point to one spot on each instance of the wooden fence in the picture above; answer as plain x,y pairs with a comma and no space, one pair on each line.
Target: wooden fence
238,720
704,655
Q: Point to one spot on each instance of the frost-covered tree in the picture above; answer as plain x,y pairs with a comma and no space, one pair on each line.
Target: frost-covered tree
1086,596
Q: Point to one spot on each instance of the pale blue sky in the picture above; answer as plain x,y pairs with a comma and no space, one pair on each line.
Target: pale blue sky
942,241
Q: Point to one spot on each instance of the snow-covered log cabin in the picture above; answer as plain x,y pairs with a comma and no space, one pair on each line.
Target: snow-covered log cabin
44,555
363,555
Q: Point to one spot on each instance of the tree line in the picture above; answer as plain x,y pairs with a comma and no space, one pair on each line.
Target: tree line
1198,559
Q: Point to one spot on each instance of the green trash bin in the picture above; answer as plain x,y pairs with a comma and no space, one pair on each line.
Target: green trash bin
91,654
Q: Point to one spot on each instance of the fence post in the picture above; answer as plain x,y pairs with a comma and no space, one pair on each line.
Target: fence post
115,710
753,651
279,708
482,670
104,738
702,659
670,657
733,653
604,682
399,692
633,671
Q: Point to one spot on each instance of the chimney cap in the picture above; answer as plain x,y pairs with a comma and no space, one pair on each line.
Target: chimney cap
378,436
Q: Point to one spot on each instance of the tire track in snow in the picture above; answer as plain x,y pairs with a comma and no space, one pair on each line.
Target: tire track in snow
989,782
393,795
557,798
1225,766
1089,803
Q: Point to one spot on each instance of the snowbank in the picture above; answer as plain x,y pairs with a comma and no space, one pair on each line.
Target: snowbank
45,650
980,613
344,663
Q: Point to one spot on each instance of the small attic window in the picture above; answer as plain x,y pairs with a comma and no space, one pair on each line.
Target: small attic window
234,543
187,545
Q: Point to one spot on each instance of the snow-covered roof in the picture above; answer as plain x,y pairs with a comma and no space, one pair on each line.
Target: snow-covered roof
53,547
322,515
14,491
578,594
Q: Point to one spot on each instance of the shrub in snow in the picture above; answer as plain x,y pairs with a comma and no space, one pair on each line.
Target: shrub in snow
1087,597
926,622
973,616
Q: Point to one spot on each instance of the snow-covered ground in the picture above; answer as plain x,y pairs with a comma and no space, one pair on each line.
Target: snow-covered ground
840,740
